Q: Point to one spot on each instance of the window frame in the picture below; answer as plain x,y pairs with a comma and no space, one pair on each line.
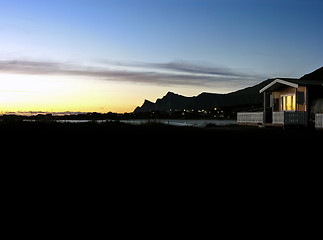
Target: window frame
288,102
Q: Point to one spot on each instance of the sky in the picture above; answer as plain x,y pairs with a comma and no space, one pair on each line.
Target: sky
111,55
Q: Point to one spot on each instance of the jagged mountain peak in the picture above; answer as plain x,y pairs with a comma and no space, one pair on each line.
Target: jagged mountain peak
170,93
241,99
147,101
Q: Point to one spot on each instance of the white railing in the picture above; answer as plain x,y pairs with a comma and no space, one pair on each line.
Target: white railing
250,117
278,118
319,120
289,118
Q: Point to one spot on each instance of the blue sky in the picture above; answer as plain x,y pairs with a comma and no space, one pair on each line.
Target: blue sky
217,45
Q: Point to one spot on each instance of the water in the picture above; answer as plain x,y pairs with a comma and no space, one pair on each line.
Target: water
174,122
180,122
80,121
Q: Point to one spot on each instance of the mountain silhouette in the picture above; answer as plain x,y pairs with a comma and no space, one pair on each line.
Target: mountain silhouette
245,99
316,75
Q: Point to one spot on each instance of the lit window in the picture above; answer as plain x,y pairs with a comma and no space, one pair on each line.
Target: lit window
288,102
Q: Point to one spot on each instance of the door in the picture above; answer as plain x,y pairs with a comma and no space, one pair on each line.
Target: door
268,107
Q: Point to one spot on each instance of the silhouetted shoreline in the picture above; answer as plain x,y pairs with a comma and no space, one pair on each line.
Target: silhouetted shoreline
115,152
116,132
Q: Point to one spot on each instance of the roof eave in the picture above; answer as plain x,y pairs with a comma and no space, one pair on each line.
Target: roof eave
295,85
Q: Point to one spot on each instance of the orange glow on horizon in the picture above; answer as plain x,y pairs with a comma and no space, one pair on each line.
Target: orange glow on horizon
56,93
26,93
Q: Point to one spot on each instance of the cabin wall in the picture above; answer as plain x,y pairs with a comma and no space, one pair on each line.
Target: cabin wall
299,95
285,91
301,99
315,93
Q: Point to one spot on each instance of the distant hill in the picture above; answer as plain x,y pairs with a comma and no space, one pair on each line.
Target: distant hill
245,99
316,75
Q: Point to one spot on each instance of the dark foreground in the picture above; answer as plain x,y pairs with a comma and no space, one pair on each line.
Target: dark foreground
158,170
150,150
153,139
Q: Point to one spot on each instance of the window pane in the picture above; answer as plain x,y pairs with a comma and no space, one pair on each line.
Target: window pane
289,103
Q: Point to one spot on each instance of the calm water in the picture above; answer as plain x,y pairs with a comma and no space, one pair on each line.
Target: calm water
179,122
175,122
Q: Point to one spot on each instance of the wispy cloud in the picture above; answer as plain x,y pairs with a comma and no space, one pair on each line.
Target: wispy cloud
171,73
193,68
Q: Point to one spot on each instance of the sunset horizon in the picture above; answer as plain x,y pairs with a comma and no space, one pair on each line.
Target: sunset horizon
109,56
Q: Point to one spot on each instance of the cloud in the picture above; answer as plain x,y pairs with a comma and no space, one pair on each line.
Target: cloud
171,73
194,68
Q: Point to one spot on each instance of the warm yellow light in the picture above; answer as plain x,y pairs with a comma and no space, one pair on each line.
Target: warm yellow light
289,102
56,93
66,93
45,93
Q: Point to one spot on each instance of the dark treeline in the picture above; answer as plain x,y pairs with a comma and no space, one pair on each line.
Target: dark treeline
80,116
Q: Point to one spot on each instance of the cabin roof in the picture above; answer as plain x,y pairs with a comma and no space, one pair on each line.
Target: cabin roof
292,82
